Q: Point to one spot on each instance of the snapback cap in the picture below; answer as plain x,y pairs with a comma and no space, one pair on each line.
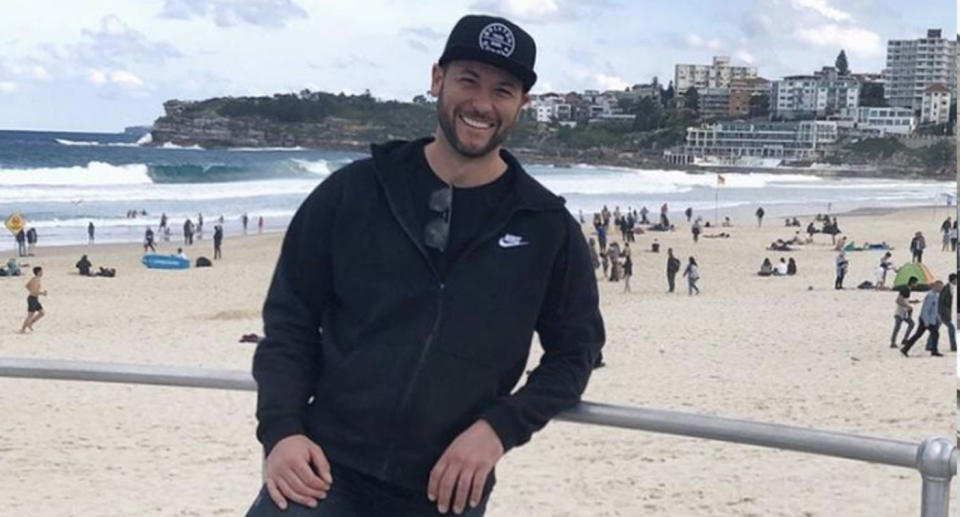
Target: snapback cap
495,41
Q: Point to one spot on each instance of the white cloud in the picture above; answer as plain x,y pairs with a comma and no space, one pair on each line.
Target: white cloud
31,71
97,76
609,82
229,13
118,77
745,57
822,8
7,87
127,79
698,42
528,10
852,39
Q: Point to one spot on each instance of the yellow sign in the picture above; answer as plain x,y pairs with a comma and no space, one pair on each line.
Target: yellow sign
15,223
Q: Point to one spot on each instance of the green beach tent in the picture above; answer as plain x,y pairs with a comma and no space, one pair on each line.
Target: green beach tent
916,269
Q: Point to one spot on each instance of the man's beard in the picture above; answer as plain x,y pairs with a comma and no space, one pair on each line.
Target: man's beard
448,126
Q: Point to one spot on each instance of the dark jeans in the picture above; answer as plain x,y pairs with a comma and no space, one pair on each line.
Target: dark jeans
931,339
896,328
838,283
672,281
952,334
354,494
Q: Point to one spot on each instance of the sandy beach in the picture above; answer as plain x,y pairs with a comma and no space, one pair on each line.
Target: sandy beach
766,349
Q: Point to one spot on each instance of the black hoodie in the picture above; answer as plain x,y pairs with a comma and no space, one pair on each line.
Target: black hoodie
382,362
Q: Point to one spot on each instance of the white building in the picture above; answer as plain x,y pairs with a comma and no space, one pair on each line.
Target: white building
717,75
821,94
714,103
878,121
786,140
913,65
935,105
548,107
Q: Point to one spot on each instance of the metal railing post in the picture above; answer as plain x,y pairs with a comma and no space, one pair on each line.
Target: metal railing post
935,459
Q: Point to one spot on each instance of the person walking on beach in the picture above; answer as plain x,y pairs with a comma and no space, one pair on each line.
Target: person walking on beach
163,223
188,232
31,241
260,224
673,267
945,307
90,233
217,241
885,266
689,213
929,322
244,219
148,241
627,272
945,229
696,230
917,245
406,403
34,309
903,313
21,239
842,265
199,230
760,214
692,272
953,236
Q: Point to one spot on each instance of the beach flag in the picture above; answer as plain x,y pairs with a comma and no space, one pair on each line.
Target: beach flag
721,181
15,223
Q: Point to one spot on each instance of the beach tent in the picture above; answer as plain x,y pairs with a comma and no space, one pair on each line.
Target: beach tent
917,269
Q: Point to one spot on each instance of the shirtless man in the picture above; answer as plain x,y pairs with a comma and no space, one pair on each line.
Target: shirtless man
34,309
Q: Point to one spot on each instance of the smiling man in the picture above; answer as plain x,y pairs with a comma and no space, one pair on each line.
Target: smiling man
404,302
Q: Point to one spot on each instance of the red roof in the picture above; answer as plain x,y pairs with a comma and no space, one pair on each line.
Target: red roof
936,88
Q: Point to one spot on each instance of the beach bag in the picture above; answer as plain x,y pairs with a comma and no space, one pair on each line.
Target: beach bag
203,262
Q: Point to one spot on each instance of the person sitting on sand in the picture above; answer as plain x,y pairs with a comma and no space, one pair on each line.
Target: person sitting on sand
791,266
780,245
181,254
83,266
13,268
766,268
726,222
781,269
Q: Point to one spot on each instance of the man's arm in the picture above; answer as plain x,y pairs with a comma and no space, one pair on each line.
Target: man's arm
287,359
571,334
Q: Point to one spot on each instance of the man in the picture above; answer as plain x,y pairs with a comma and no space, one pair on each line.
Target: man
917,245
31,240
945,307
384,379
217,241
842,265
929,322
21,238
34,309
903,312
945,229
148,239
760,214
91,230
688,212
188,232
673,267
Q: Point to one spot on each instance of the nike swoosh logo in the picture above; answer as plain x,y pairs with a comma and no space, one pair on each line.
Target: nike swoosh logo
512,241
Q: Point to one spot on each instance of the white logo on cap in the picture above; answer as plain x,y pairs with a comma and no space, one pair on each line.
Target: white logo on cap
497,38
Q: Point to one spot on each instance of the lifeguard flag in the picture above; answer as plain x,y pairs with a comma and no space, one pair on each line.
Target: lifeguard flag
15,223
721,181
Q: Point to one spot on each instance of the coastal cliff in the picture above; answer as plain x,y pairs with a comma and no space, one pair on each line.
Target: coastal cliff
317,120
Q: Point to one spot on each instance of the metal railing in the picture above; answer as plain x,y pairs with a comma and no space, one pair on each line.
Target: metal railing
935,458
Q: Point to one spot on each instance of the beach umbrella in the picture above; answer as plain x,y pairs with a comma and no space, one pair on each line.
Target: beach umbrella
15,222
914,269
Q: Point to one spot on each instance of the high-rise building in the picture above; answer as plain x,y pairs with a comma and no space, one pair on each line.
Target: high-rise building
822,94
717,75
913,65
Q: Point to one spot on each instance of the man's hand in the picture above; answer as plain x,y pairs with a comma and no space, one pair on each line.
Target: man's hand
290,476
462,470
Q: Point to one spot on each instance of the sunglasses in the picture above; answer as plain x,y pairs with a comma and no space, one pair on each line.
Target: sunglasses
437,231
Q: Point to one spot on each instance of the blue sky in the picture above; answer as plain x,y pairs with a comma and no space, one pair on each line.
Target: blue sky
99,65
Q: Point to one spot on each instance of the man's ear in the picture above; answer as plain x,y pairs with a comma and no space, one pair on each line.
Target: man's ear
436,79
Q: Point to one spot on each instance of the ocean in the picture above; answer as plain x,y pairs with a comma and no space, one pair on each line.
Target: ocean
61,181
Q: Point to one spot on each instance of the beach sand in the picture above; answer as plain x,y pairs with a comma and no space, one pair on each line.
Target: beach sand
766,349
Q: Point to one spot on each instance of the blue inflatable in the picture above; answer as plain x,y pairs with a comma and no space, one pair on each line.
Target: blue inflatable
158,261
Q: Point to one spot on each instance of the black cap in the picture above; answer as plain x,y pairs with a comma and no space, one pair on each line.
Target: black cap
495,41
